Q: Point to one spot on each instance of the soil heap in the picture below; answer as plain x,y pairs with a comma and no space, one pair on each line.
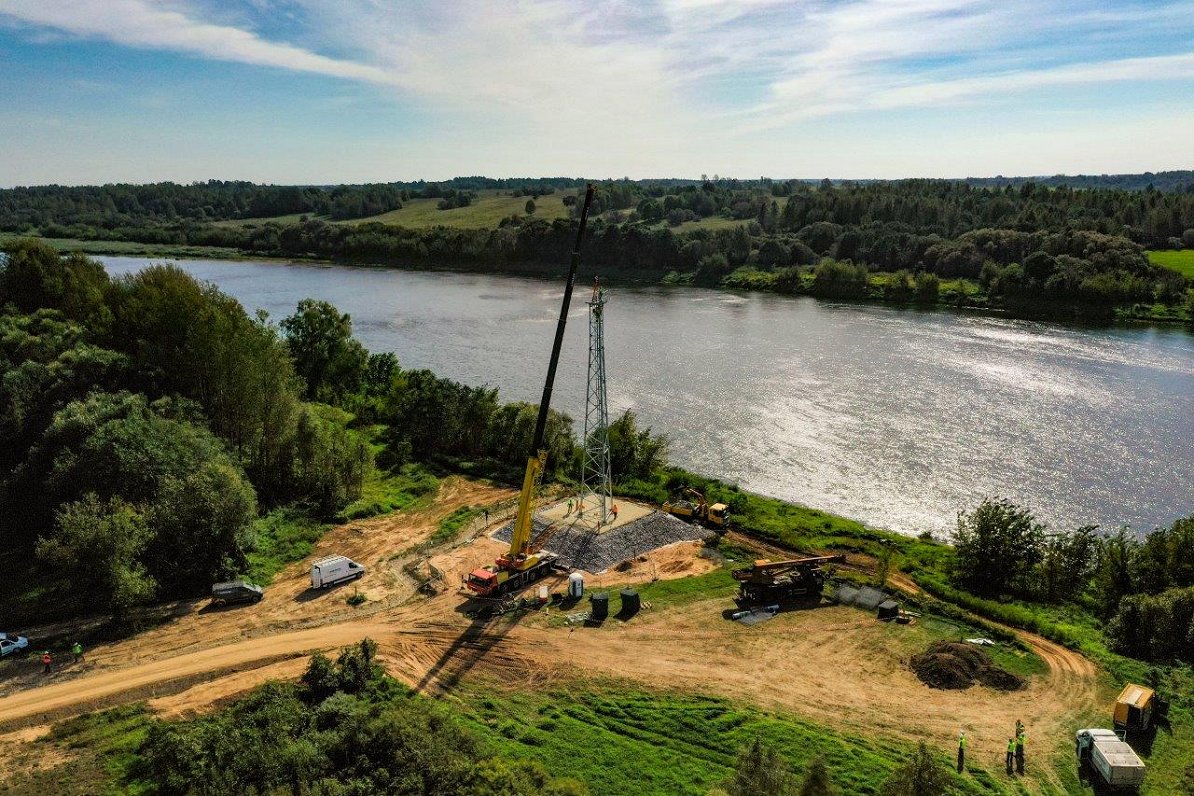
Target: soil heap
957,665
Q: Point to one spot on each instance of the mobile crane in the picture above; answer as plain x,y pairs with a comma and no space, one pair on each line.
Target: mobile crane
525,562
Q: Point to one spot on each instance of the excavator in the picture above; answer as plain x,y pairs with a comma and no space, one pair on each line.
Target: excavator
525,561
690,504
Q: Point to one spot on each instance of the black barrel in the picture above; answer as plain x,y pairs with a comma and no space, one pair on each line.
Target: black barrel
598,606
630,602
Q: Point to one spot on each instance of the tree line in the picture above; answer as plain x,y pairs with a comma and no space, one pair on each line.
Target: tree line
1141,587
1028,247
145,421
346,727
115,206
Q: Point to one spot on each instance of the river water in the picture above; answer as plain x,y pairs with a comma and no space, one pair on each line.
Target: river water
899,418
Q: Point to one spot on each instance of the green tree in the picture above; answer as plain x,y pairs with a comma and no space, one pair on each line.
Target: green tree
326,355
836,279
816,780
34,276
928,286
193,340
634,453
95,546
530,206
760,771
1112,580
1066,565
996,546
923,775
712,268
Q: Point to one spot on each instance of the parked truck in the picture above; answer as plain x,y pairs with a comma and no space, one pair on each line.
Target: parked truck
334,569
1110,760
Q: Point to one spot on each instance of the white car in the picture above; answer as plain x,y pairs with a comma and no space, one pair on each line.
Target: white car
11,644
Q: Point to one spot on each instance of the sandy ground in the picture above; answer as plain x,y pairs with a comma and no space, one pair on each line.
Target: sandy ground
835,665
558,514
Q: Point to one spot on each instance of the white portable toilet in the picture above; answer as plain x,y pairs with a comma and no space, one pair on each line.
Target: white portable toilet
576,585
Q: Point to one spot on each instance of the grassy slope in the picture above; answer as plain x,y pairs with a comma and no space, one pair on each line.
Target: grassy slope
621,739
1180,261
485,212
126,249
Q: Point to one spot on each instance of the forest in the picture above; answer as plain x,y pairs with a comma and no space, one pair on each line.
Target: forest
149,422
1030,248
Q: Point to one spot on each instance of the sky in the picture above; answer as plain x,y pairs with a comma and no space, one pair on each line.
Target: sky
329,91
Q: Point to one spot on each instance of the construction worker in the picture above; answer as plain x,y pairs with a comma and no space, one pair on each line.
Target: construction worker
614,509
569,507
1020,752
1011,753
961,751
46,661
77,650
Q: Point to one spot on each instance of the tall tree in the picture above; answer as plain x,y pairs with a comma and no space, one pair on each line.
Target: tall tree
326,355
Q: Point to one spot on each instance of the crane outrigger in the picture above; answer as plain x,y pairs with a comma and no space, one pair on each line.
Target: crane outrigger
522,563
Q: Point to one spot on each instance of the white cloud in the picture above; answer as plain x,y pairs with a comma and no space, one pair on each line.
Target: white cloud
645,86
138,23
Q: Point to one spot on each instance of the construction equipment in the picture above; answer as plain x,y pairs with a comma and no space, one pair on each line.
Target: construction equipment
1110,760
522,562
689,504
783,581
1134,707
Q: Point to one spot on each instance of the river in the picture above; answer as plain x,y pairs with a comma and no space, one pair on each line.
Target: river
896,417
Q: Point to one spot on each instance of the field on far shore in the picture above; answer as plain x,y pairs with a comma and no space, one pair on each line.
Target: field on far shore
1181,261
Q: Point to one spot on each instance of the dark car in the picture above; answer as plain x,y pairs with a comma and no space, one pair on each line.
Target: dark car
236,591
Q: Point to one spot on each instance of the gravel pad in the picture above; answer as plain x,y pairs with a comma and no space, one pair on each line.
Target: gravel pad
580,548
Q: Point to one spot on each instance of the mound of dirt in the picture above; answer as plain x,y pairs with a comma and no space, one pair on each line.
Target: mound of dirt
955,665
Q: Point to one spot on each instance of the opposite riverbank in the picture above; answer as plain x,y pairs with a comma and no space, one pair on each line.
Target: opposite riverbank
890,288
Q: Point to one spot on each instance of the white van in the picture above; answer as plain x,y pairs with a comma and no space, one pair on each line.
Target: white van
334,569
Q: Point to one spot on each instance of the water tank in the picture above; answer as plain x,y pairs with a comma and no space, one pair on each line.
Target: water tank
630,602
598,606
576,585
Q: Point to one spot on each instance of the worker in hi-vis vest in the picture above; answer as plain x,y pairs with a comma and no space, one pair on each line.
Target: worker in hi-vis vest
961,751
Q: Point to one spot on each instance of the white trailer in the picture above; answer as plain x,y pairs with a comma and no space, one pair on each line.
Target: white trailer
334,569
1111,760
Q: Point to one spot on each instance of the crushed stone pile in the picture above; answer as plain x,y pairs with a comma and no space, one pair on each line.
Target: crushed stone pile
580,548
957,665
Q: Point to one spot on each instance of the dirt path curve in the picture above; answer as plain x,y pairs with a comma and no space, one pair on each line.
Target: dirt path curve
39,705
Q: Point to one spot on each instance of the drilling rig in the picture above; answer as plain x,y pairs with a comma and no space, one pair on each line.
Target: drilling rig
783,581
522,563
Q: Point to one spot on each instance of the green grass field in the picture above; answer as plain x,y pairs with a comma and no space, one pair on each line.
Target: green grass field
621,739
125,249
486,211
293,218
1180,261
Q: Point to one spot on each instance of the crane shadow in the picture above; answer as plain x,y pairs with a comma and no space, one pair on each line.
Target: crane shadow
483,634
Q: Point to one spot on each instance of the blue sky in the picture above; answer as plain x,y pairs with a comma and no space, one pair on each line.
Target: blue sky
320,91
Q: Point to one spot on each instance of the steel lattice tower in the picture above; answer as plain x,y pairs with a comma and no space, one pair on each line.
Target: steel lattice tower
596,496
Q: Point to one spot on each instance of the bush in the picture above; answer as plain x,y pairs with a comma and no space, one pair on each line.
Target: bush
923,775
996,545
